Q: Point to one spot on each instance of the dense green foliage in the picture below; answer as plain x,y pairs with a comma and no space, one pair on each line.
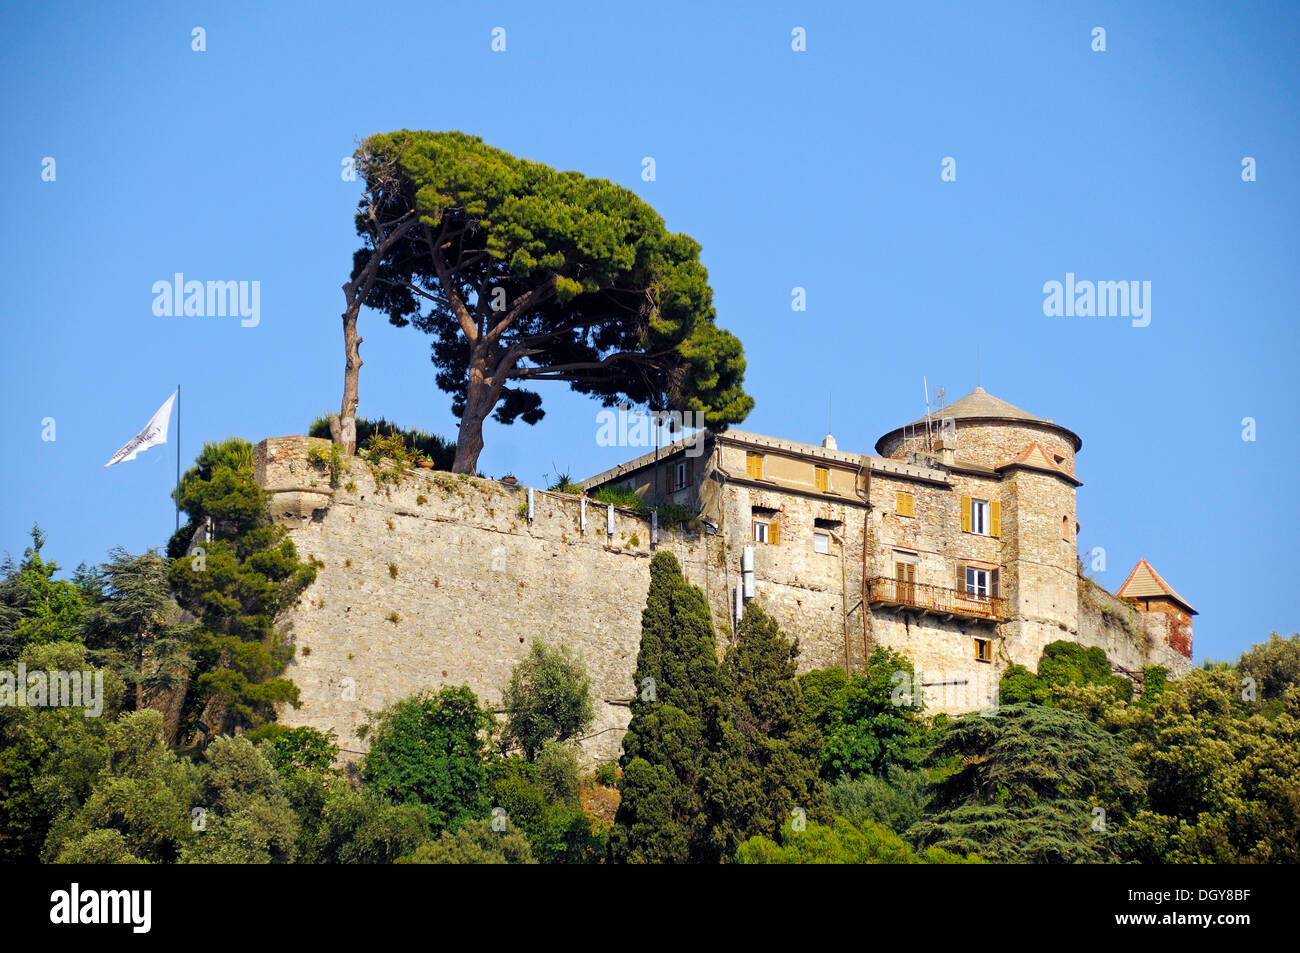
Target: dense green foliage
733,761
1062,663
429,749
764,773
521,274
438,449
1024,785
236,584
627,498
548,698
841,843
677,714
870,722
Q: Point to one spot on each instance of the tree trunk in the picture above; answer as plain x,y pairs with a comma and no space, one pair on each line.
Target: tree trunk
343,428
479,401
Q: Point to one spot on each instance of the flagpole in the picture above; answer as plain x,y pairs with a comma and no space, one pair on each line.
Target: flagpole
178,457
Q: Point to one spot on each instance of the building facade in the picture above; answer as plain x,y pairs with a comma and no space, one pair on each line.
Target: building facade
954,544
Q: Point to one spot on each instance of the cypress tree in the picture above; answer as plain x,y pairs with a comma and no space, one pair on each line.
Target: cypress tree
765,771
676,715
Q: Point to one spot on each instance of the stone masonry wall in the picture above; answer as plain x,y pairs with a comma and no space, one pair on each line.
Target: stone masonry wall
472,582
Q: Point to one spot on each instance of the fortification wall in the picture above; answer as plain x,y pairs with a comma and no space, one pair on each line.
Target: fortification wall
440,580
1131,640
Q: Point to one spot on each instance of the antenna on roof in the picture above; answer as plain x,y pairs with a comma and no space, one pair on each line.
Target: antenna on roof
926,386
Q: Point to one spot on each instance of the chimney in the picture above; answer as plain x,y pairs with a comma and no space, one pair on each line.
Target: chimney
828,443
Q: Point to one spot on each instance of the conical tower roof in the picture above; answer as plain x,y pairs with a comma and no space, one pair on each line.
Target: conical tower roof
979,404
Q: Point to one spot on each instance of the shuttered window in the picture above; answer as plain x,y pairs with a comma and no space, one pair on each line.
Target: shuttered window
995,518
822,476
905,504
754,465
774,532
965,514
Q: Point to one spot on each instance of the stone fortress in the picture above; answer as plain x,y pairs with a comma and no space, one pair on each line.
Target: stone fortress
955,545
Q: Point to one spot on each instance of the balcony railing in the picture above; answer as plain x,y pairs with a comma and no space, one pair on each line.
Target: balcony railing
882,590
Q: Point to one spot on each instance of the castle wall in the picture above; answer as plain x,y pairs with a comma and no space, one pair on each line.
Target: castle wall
441,580
476,582
1131,639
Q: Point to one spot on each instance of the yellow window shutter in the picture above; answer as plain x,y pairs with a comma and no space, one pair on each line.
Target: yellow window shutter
774,532
995,518
823,477
754,465
906,504
965,514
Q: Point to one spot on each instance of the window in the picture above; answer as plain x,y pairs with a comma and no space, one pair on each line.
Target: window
767,524
982,517
821,543
984,650
822,477
1065,528
905,581
904,504
754,465
681,474
977,582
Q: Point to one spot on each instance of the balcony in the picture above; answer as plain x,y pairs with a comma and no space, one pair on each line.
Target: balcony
934,600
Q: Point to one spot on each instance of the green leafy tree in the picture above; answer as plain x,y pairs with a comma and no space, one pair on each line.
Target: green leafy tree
362,827
134,624
765,768
1274,665
1222,772
438,449
548,698
1062,663
896,801
541,799
677,713
36,608
1024,786
143,791
474,842
522,274
50,758
869,721
304,759
431,749
244,578
246,816
841,843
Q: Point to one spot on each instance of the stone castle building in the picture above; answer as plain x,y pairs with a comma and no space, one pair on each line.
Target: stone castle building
955,544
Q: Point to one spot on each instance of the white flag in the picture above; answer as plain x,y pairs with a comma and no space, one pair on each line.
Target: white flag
153,434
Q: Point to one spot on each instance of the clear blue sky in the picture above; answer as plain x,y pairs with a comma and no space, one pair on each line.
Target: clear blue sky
818,169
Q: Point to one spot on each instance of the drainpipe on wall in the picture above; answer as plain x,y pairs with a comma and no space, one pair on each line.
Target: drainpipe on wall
844,599
864,466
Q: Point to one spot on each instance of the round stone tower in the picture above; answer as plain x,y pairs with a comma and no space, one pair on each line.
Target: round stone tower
982,430
1024,466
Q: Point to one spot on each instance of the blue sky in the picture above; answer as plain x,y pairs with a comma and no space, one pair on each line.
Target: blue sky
818,169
